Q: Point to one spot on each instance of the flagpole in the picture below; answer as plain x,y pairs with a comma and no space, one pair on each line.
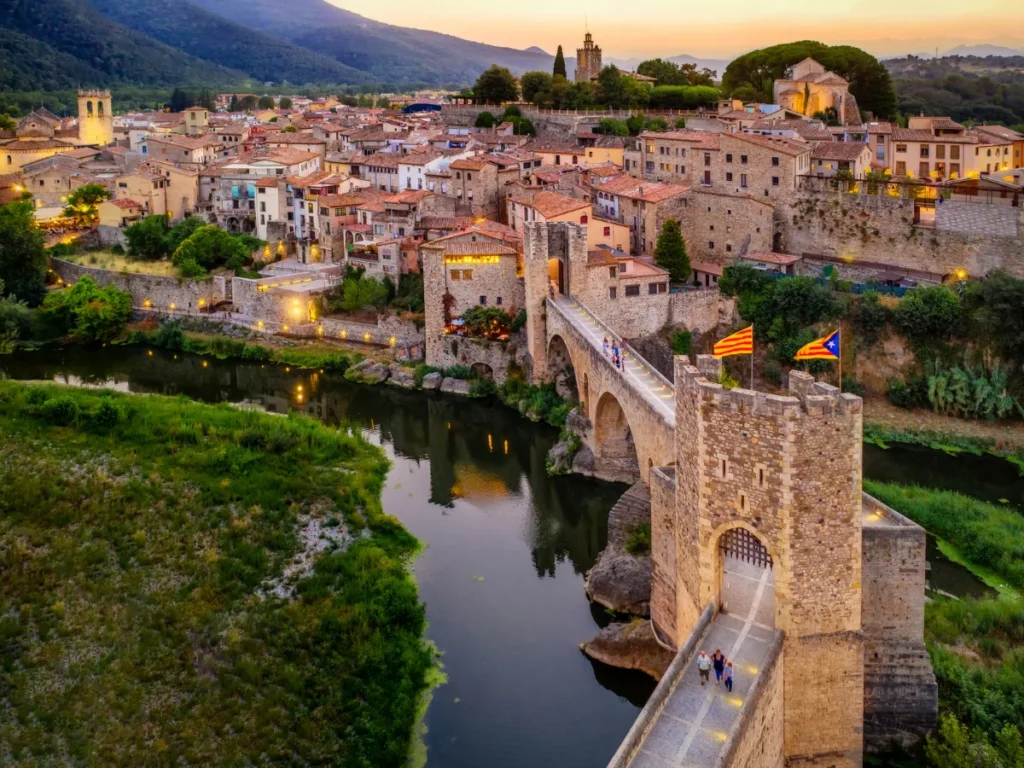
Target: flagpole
840,364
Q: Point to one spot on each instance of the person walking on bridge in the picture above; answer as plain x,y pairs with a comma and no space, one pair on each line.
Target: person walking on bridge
718,659
704,667
604,347
728,676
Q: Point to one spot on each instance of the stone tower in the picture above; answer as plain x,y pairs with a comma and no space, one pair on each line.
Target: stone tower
550,250
770,483
95,118
588,60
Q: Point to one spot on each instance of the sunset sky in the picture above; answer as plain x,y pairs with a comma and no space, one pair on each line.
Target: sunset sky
712,29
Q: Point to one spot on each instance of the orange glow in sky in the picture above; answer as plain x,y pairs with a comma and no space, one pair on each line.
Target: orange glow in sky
714,30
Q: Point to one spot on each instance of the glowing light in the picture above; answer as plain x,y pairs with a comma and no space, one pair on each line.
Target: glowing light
299,387
285,328
751,669
392,341
287,370
506,447
344,333
170,306
204,363
720,735
366,336
147,303
320,330
490,444
472,259
961,274
736,701
259,325
150,353
202,302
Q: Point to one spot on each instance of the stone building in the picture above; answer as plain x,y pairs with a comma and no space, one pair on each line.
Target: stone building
810,89
640,205
588,60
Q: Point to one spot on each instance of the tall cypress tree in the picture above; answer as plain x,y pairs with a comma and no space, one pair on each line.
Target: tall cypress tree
559,63
670,252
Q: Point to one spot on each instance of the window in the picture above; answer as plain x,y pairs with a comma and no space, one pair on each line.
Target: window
657,287
925,150
923,170
707,179
743,159
743,180
622,268
611,272
467,274
483,301
940,151
728,176
901,168
728,157
954,152
760,478
775,181
954,168
498,301
775,161
607,231
632,290
711,245
728,248
611,293
901,147
456,274
724,468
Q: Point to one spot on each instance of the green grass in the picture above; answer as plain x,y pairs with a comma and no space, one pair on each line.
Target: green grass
140,536
986,535
881,435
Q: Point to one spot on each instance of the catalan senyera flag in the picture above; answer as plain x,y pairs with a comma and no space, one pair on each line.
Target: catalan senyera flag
740,343
825,348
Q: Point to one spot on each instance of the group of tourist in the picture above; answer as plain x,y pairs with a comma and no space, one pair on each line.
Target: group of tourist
614,352
722,666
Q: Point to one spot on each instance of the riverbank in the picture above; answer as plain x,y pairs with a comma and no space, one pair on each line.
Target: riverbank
203,584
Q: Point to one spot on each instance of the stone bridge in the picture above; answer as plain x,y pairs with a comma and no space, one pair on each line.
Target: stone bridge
631,409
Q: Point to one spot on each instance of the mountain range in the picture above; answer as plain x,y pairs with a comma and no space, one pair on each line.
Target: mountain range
53,44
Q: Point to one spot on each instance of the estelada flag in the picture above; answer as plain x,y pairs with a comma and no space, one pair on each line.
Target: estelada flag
825,348
740,343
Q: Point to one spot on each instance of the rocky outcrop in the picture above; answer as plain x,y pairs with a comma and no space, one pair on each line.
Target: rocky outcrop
432,381
619,580
455,386
400,378
368,372
630,646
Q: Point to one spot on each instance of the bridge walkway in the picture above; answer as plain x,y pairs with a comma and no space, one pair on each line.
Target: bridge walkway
695,722
639,374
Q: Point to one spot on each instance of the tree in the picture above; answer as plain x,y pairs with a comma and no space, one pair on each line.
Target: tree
147,239
87,312
559,68
670,252
997,305
828,115
15,321
289,129
284,102
233,107
533,84
635,124
611,91
181,231
383,102
7,122
683,96
22,253
265,102
522,127
359,292
484,120
656,124
247,102
635,94
180,100
680,122
664,72
210,247
496,85
611,127
929,313
82,203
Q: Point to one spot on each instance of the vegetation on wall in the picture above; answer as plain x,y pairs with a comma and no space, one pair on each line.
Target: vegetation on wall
22,253
179,519
85,312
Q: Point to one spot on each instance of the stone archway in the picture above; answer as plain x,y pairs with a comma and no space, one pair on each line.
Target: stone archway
746,577
615,453
556,275
561,368
483,371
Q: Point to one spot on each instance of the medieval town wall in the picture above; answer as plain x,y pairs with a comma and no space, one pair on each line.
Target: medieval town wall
160,291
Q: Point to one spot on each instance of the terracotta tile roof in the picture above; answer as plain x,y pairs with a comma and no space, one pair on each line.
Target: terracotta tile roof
20,145
703,139
919,134
553,146
184,142
774,143
470,247
771,258
354,197
945,123
707,266
299,137
842,151
1001,132
124,203
373,206
289,156
345,157
804,129
269,181
408,196
475,163
380,160
82,153
601,258
550,204
880,128
445,222
638,189
309,180
418,158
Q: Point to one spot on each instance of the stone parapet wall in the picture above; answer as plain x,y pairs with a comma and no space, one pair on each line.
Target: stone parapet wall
446,351
756,739
161,292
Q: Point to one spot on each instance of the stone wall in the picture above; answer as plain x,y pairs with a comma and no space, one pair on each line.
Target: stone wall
881,229
551,122
756,740
900,692
663,554
718,228
496,355
161,292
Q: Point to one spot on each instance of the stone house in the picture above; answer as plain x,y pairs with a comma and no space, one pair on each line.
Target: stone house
145,188
679,157
1004,135
937,148
119,213
544,205
623,291
606,149
181,191
556,152
380,169
480,182
301,141
640,205
194,152
810,88
831,157
718,227
760,166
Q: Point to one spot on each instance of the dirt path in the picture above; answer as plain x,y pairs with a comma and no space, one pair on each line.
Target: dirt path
1006,436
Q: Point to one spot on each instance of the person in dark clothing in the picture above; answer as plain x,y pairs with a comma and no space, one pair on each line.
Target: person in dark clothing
728,675
718,660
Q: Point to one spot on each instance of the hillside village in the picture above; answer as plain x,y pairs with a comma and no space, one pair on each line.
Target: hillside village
417,186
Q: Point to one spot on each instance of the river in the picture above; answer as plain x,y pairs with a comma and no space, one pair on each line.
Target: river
506,545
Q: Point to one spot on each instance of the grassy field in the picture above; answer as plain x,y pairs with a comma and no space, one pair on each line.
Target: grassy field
187,584
121,263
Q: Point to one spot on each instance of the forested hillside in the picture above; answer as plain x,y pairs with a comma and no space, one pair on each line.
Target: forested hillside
967,88
202,34
74,44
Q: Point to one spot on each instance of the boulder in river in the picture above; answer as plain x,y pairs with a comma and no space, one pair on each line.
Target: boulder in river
630,645
455,386
432,380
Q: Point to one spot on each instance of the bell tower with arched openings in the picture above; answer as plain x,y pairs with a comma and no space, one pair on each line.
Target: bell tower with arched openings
95,118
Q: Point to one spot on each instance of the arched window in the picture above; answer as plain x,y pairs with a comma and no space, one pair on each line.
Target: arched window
99,108
88,108
9,160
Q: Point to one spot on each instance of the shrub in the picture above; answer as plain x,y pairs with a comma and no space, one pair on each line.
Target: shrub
912,394
107,414
87,312
869,317
518,322
638,540
682,339
969,393
458,372
420,371
928,314
62,411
